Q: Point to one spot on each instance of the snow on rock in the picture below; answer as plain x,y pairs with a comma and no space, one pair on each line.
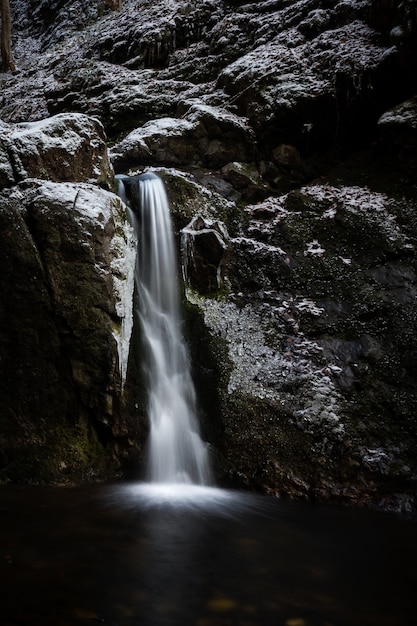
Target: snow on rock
291,85
90,260
314,249
384,460
316,205
403,114
399,125
188,197
208,135
269,81
136,148
66,147
122,265
294,376
6,170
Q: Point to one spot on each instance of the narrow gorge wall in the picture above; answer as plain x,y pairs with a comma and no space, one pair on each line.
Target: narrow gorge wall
67,257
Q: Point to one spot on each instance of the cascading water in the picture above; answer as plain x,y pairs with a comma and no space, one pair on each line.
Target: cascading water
176,453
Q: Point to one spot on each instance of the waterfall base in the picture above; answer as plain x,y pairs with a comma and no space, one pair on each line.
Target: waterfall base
102,555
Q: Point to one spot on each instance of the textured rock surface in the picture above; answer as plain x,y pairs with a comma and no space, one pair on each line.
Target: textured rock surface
204,136
292,125
66,147
67,257
311,354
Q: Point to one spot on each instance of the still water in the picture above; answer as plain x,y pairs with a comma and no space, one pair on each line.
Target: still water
131,555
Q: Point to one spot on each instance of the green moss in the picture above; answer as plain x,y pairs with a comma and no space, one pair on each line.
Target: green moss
56,453
211,368
188,198
262,448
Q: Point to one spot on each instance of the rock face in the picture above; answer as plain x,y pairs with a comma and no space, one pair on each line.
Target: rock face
66,147
291,126
67,254
205,136
329,273
204,247
311,355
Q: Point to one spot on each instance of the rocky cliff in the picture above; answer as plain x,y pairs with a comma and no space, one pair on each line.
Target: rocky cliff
286,135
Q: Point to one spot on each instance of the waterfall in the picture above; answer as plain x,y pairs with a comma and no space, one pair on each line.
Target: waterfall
176,452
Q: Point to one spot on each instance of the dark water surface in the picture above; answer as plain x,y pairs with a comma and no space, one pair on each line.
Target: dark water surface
127,557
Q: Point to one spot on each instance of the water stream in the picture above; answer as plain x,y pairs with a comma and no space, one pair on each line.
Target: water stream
176,452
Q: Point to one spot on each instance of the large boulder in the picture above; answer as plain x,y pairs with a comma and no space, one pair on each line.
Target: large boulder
204,246
67,257
205,135
66,147
398,137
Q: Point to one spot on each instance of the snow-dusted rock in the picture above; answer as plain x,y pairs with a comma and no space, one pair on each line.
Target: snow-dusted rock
205,135
67,256
204,245
309,346
269,81
294,93
120,97
6,170
399,124
92,270
304,75
66,147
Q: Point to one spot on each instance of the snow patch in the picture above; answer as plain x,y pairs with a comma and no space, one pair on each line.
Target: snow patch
314,249
123,247
254,246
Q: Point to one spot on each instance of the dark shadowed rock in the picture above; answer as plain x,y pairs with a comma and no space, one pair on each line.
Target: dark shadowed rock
67,283
204,245
205,135
399,125
398,136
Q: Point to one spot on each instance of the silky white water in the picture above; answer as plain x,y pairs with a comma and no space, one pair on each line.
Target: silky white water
176,452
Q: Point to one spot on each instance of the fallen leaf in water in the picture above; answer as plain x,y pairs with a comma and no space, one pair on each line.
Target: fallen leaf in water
296,621
221,604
